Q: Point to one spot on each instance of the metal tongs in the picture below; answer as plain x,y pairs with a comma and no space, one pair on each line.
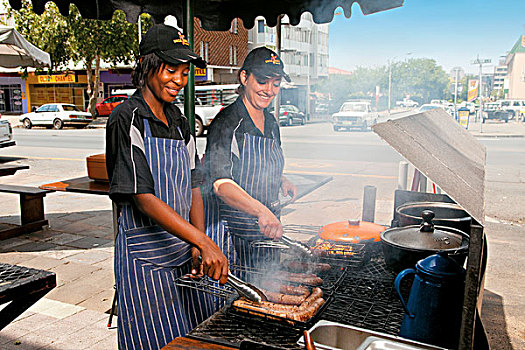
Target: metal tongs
245,289
296,246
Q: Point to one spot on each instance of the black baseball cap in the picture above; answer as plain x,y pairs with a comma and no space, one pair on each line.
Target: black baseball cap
264,62
170,45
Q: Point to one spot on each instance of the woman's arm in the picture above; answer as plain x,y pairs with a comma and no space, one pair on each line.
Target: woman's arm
214,262
236,197
197,220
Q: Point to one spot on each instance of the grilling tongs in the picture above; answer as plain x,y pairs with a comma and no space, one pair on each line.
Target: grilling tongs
296,246
246,289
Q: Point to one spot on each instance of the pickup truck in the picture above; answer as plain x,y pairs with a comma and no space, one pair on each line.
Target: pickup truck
407,103
354,114
6,134
204,114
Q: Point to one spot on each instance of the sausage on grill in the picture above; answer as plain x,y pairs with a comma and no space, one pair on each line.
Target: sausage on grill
281,298
276,286
301,266
305,278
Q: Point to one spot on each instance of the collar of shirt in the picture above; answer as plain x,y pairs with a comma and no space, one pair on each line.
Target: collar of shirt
269,120
173,115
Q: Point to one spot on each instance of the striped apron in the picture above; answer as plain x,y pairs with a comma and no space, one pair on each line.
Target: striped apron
152,311
259,174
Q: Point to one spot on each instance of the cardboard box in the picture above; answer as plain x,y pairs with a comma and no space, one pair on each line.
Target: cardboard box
96,167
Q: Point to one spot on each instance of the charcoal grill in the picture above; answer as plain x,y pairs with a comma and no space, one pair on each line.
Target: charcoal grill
21,287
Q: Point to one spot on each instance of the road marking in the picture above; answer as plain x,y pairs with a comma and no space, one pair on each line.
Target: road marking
338,174
41,158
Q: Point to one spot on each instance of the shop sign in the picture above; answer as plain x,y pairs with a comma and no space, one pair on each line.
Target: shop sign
201,74
52,79
472,90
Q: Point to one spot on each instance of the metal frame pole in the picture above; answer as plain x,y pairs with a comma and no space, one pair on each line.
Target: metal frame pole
189,90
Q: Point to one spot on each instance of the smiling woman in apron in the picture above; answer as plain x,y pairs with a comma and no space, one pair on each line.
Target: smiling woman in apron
154,176
244,164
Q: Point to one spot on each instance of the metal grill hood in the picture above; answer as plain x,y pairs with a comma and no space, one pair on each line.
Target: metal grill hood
444,152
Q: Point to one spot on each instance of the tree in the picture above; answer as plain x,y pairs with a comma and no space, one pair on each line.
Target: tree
86,41
420,78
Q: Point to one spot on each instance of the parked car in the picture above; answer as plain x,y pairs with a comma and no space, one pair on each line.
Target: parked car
493,110
107,105
354,114
429,106
407,103
6,134
516,107
290,115
56,115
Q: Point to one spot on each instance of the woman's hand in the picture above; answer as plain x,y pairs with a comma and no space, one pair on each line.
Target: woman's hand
270,225
196,265
214,263
288,188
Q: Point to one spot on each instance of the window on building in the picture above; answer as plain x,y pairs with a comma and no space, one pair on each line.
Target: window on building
260,26
233,28
235,55
231,55
204,50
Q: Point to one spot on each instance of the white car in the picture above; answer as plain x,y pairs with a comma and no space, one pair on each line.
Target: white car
354,114
56,115
6,134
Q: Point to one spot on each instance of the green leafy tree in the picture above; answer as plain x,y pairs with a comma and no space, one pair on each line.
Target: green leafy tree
73,38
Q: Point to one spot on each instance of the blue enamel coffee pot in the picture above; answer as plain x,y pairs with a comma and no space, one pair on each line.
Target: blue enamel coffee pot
433,311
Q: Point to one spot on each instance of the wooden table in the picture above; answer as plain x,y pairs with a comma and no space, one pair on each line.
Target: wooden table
183,343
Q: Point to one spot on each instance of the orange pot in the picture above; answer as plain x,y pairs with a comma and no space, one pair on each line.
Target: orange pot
352,231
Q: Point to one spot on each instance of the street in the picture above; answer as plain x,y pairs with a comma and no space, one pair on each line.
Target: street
354,159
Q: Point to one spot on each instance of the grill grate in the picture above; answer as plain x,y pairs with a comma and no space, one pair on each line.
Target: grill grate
358,258
230,328
378,316
12,276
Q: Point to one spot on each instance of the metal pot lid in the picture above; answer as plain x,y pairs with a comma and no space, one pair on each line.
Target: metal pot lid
414,210
440,265
426,236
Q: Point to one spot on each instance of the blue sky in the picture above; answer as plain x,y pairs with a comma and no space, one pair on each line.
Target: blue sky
453,32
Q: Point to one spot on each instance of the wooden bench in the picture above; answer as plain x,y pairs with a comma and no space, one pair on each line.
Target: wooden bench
31,210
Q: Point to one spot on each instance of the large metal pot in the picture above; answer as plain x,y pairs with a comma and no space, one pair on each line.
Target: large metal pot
446,214
403,247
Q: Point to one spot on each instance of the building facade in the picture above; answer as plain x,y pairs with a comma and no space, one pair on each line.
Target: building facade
516,70
304,50
223,51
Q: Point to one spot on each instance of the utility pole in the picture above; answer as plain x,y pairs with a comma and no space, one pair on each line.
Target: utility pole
456,69
481,62
278,49
389,84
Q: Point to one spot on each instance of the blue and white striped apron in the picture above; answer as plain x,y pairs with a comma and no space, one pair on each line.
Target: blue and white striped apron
152,311
259,174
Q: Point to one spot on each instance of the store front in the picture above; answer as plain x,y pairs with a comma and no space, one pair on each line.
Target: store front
112,80
62,88
12,94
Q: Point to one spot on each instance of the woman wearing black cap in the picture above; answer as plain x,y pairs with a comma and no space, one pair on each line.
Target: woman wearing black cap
244,163
151,161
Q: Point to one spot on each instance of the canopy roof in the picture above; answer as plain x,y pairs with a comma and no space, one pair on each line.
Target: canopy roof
15,51
217,14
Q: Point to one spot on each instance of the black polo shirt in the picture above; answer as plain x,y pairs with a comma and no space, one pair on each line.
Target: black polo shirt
128,169
226,139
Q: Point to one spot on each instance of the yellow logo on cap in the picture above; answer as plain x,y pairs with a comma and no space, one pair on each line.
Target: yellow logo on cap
181,40
273,59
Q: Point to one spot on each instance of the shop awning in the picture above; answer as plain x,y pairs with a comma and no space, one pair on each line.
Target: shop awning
217,14
15,51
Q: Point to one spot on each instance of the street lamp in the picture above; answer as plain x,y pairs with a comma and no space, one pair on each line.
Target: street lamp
390,77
